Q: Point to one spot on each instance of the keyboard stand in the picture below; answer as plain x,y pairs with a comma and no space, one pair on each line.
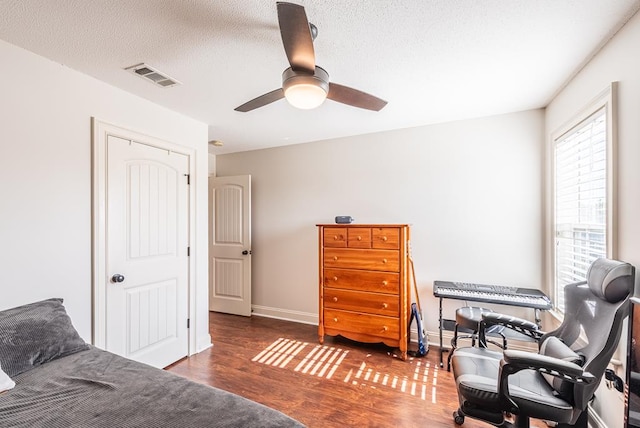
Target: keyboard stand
442,327
441,321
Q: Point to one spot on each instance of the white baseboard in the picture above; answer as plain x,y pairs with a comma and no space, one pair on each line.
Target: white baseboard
202,343
284,314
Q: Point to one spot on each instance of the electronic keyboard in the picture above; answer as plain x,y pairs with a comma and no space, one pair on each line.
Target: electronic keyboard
500,294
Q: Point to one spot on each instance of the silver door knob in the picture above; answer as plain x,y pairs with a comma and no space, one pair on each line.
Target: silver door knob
117,278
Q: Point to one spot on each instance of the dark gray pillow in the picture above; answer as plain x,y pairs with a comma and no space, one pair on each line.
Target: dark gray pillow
34,334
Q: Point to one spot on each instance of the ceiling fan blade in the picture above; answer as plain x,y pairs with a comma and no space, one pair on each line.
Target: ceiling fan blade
296,36
261,101
354,97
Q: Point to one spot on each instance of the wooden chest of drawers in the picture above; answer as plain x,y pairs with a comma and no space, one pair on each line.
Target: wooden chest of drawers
364,293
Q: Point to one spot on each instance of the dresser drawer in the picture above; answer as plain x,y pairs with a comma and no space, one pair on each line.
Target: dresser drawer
335,237
360,301
373,325
385,237
381,260
359,237
359,280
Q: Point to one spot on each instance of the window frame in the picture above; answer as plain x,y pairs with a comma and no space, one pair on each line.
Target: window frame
606,100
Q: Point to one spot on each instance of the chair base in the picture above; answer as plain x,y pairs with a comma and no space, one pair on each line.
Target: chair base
519,421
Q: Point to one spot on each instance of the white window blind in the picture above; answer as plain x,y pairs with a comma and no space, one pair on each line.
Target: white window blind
580,201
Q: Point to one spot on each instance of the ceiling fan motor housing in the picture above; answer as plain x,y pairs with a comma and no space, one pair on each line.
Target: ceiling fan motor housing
319,78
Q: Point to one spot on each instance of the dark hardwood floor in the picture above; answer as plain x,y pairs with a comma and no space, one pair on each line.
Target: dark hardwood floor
340,384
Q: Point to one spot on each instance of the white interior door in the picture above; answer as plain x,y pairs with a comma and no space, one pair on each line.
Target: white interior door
230,245
147,252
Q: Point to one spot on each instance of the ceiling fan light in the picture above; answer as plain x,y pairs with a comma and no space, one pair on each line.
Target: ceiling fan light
305,96
304,90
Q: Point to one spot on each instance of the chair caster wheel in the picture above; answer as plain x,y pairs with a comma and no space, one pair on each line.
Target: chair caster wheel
458,418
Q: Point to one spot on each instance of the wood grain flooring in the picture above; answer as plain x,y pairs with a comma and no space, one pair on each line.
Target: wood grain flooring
340,384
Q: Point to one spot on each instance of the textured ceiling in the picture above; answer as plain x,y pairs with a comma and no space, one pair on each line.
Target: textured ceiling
432,60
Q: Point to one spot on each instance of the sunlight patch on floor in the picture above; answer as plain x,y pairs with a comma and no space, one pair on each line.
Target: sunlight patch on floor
280,353
324,361
417,386
321,359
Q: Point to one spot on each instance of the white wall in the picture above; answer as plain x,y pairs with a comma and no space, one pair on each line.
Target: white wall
618,61
471,191
45,171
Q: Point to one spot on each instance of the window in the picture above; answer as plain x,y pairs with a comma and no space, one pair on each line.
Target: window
583,196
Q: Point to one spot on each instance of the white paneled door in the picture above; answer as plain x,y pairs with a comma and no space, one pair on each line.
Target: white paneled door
147,252
230,245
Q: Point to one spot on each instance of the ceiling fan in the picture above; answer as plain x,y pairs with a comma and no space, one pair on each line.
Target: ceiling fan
304,84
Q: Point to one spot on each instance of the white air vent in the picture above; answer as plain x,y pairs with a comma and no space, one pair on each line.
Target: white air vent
153,75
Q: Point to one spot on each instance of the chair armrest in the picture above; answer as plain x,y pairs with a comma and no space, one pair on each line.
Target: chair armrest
520,325
521,360
514,361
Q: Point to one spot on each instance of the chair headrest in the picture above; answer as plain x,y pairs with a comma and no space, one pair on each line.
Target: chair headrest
611,280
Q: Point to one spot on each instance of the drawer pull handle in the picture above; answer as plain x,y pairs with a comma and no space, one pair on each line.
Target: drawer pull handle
335,319
385,306
359,238
335,278
335,257
385,282
384,238
335,237
335,299
385,328
384,260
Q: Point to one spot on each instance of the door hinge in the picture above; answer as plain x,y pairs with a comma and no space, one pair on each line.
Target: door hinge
188,322
188,178
188,251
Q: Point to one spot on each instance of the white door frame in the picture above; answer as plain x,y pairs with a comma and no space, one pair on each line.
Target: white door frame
100,131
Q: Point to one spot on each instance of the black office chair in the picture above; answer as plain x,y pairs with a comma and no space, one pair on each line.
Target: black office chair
557,383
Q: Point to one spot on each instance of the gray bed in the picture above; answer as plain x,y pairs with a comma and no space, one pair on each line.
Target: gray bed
62,382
